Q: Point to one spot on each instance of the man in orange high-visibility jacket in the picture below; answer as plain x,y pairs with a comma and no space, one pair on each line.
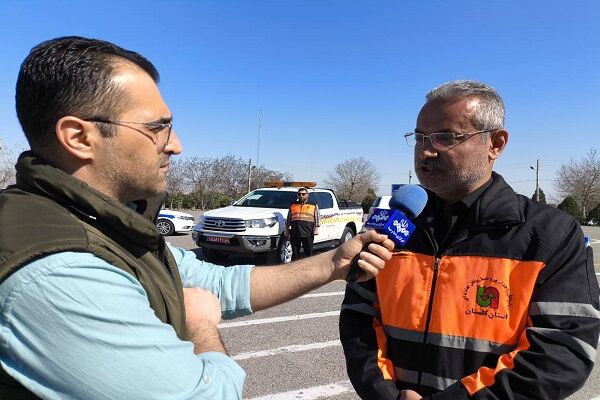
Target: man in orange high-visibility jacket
494,296
302,224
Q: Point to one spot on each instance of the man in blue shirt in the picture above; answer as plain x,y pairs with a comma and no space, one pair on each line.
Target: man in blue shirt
93,303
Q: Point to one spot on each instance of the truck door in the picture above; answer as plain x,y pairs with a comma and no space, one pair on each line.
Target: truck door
326,210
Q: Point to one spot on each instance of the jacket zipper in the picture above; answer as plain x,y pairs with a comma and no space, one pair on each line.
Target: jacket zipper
436,265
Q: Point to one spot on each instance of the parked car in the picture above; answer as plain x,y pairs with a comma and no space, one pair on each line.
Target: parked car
380,202
171,221
255,223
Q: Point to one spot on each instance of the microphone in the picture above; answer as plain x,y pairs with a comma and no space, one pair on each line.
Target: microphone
407,203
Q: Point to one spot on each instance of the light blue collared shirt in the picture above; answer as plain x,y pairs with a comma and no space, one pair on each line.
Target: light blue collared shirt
75,327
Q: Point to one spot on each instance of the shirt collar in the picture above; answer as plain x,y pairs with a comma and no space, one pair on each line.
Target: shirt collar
469,199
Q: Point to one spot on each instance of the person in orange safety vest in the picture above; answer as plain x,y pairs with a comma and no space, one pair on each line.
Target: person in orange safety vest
302,224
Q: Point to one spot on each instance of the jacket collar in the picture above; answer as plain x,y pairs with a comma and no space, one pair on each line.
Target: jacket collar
496,206
36,176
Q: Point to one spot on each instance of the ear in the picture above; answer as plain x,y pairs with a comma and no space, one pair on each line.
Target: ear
77,137
498,141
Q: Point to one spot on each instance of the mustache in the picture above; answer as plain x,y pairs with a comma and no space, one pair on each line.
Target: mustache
165,162
428,163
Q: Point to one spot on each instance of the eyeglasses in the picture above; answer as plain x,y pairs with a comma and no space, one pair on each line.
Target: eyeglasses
440,140
302,194
155,127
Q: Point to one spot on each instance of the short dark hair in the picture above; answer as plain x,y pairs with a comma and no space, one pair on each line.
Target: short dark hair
71,75
303,189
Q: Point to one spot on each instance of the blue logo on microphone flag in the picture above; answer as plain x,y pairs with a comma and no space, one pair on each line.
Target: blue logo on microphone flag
393,223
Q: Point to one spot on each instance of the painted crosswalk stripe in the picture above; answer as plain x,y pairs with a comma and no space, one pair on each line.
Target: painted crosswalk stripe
322,294
286,349
278,319
312,393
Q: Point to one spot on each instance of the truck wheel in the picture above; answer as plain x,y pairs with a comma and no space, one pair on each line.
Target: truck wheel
166,228
213,256
348,234
283,255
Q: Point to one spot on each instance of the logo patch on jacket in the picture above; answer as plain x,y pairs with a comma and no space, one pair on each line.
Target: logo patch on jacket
487,297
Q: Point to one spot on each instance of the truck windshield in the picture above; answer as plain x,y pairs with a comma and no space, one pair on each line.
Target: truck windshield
267,199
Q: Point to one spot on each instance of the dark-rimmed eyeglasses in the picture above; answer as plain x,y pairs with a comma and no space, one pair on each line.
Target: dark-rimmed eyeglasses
440,140
302,194
155,127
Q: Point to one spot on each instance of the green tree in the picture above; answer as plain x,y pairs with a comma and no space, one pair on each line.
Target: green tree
368,200
570,206
595,213
175,200
542,197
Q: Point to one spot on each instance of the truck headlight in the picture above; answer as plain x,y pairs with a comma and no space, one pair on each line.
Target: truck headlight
261,223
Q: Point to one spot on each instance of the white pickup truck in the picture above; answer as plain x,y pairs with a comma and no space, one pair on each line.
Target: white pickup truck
255,223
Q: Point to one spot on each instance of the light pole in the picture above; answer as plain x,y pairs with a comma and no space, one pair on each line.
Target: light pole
537,179
249,173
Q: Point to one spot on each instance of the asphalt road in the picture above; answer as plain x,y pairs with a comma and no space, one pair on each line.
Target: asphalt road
292,351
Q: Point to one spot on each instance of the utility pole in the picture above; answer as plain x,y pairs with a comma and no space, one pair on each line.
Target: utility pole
249,173
259,120
537,180
409,176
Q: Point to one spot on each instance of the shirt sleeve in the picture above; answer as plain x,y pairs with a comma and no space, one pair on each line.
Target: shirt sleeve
76,327
231,285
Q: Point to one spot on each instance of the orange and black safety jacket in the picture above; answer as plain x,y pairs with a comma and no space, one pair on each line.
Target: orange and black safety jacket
302,219
507,308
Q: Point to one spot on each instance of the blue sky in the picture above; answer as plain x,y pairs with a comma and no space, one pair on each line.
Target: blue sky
341,79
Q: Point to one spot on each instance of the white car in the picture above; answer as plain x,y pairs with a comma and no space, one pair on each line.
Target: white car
380,202
170,221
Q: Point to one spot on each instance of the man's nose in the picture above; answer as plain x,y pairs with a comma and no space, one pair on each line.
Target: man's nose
174,145
425,148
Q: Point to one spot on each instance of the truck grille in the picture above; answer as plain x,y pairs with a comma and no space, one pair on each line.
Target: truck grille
224,224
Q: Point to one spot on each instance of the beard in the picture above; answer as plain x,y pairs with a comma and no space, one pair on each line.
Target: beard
132,178
451,179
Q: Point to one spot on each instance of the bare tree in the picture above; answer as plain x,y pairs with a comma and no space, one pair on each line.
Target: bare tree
199,174
219,179
581,180
261,174
8,159
177,182
231,175
352,178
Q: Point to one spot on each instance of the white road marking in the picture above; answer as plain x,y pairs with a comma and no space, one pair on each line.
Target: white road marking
286,349
324,294
312,393
278,319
